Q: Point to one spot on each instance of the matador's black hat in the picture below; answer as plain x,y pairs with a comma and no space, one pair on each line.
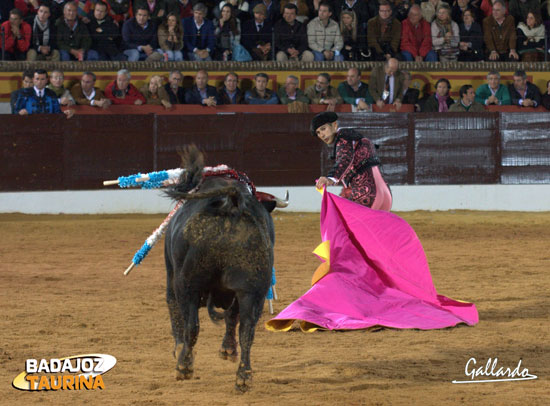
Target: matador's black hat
320,119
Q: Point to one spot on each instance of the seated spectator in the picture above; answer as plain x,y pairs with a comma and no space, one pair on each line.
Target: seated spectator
86,94
386,84
43,37
445,35
355,92
290,93
170,38
359,7
520,8
26,82
28,8
471,39
272,8
5,7
493,92
499,33
257,34
227,30
202,92
121,91
17,37
106,38
302,9
467,101
522,92
73,38
230,92
39,99
120,10
429,9
355,47
323,35
416,38
546,97
410,94
56,8
260,94
140,38
198,35
291,37
323,93
57,78
157,9
460,7
174,90
531,35
383,33
440,101
240,8
155,93
400,8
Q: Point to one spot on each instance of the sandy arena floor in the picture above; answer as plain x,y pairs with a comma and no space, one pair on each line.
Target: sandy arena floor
62,293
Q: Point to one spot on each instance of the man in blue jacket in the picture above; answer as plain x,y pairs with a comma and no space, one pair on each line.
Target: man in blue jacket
140,38
198,35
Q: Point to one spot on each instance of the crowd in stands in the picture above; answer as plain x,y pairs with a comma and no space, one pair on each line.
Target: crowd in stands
388,85
305,30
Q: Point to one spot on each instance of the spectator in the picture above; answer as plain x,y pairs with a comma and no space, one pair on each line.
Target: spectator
291,37
386,84
520,8
43,37
290,93
198,35
522,92
257,34
56,8
39,99
240,8
140,37
157,9
383,33
121,91
86,94
359,7
355,92
323,35
410,94
440,101
106,38
227,30
28,8
174,90
429,9
471,43
467,101
400,8
302,13
445,35
230,92
17,37
546,97
120,10
260,94
416,38
272,8
460,7
5,7
354,43
170,38
155,93
323,93
531,34
202,92
493,92
73,38
64,97
26,82
499,34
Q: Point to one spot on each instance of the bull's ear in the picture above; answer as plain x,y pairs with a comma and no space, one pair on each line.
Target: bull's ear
269,205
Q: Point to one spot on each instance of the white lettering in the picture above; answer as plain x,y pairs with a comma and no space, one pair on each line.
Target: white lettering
30,366
55,365
99,365
491,369
43,366
87,365
473,373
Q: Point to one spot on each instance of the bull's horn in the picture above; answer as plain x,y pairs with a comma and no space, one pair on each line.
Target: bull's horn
282,203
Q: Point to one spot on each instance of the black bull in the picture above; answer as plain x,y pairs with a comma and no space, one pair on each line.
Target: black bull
219,252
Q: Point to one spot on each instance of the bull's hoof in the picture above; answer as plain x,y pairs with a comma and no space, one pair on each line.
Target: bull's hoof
229,354
183,374
177,350
244,379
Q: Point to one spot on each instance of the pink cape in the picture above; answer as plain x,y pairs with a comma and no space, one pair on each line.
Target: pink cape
378,275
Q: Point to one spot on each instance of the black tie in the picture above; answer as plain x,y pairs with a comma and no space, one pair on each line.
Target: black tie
260,27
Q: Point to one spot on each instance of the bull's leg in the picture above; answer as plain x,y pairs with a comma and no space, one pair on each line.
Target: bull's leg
189,307
250,309
229,343
175,315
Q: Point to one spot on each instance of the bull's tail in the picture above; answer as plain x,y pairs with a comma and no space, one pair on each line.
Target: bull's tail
192,160
215,316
